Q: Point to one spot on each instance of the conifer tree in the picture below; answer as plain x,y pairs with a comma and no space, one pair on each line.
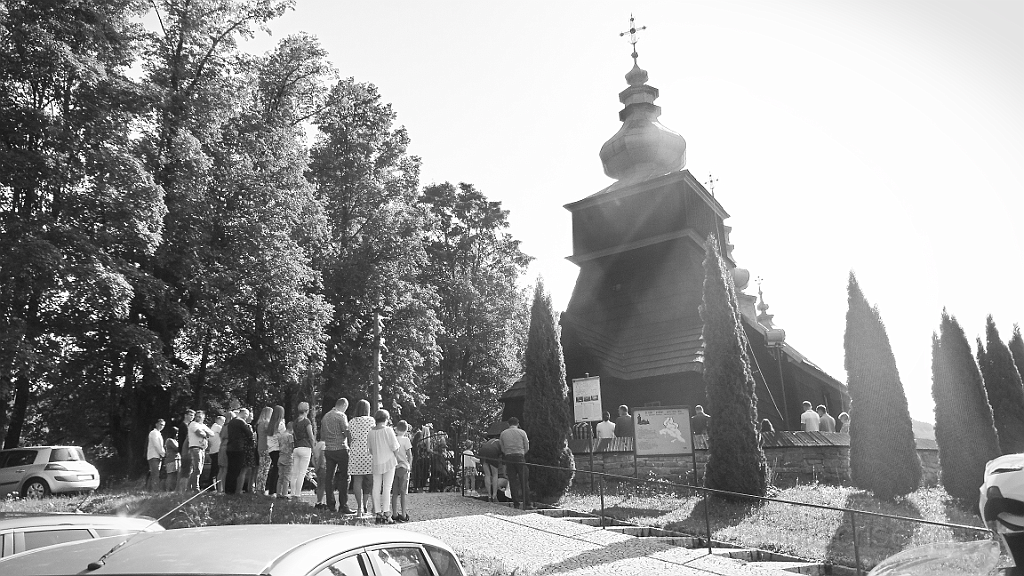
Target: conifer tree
964,429
735,460
1005,393
1016,347
546,416
883,454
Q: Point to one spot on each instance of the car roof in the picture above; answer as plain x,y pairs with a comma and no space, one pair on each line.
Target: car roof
239,549
39,447
14,520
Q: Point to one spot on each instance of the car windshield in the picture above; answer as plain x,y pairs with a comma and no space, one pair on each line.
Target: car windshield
72,454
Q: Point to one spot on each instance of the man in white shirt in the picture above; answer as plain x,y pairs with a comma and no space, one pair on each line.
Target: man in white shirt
606,428
198,435
809,420
515,444
154,453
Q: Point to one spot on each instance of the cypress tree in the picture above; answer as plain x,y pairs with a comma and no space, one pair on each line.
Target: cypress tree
546,416
1016,347
883,453
964,429
1005,393
735,460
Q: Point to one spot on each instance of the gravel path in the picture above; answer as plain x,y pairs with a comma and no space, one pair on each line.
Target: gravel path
541,546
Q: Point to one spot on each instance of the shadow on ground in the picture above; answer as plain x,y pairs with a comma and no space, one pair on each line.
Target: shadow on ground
624,550
720,513
876,538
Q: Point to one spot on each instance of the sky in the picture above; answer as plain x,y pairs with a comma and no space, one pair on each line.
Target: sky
880,137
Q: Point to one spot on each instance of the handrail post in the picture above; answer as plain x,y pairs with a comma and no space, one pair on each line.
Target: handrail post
707,518
856,546
601,487
592,442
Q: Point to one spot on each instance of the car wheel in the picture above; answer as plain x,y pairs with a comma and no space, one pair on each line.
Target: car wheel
35,489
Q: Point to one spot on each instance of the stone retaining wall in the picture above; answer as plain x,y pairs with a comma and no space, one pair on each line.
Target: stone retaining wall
793,458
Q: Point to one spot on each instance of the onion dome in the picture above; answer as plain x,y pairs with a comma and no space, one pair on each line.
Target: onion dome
642,148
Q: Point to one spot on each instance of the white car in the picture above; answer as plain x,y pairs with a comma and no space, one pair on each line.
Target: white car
24,531
38,471
247,549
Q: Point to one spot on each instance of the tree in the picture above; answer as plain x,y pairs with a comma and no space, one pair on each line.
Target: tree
77,208
1016,347
1005,392
736,462
257,314
475,269
372,255
546,417
883,453
964,429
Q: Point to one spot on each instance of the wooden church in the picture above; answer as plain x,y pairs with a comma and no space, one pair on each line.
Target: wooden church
633,318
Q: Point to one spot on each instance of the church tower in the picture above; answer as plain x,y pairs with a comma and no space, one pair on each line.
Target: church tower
633,317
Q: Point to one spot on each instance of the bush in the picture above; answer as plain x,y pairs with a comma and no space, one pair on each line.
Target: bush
549,485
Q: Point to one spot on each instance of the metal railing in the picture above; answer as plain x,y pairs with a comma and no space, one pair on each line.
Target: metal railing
705,492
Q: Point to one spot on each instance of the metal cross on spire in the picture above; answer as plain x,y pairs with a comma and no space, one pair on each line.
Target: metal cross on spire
633,35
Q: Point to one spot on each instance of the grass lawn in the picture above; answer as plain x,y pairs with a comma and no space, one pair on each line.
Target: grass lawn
821,535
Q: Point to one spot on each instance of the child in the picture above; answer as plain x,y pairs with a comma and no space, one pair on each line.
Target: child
172,459
319,460
400,489
285,446
469,462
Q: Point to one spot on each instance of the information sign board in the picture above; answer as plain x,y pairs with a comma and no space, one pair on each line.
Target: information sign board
662,430
586,399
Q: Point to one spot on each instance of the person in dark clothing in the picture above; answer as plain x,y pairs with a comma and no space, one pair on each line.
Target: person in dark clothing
240,438
699,421
624,423
490,455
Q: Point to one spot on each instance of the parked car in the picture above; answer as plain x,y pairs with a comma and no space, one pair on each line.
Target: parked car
266,549
38,471
24,531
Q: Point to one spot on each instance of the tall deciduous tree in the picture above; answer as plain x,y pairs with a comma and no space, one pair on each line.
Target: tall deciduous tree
736,462
372,259
964,429
475,267
883,453
546,415
1016,347
1005,392
257,312
76,207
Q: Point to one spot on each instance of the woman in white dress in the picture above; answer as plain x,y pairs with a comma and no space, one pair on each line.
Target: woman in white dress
360,464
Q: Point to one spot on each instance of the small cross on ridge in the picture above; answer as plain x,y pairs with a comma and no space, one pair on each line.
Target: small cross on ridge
710,184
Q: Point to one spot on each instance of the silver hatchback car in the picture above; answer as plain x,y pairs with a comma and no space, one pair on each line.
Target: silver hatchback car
263,549
38,471
24,531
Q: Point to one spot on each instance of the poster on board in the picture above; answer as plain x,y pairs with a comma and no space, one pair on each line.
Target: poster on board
662,431
586,399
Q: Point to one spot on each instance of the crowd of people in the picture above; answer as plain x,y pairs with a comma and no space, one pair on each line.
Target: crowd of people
272,457
812,419
503,459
